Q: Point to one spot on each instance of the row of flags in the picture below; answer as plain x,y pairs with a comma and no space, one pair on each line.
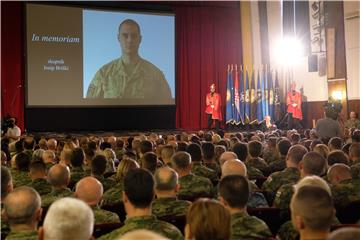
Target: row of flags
252,95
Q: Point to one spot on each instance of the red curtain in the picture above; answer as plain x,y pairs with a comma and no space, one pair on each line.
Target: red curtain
208,37
12,61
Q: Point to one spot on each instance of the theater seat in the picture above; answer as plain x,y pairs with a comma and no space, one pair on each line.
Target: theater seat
271,216
102,229
119,209
259,181
349,214
177,221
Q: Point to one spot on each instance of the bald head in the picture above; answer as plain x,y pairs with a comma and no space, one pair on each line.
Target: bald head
90,190
339,172
227,156
166,179
52,144
233,167
59,175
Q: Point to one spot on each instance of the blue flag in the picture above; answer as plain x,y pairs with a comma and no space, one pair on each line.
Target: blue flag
263,96
259,113
237,109
242,98
277,105
271,96
247,99
229,98
266,92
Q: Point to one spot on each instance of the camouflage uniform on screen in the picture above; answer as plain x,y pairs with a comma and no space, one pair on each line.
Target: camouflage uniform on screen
20,178
41,185
355,171
113,195
162,207
214,166
23,235
102,216
55,194
277,179
258,163
202,171
192,186
345,192
278,165
77,173
145,222
254,173
244,226
106,182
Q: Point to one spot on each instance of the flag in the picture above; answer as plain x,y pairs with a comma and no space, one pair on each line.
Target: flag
229,97
242,97
266,91
271,96
277,105
263,97
252,97
237,111
259,113
247,98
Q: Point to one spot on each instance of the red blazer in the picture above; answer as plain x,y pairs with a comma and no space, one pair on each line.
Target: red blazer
294,99
214,101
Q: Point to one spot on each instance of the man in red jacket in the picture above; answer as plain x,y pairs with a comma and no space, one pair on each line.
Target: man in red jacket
213,107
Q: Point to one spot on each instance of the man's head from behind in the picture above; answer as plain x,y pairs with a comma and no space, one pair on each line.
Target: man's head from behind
354,151
68,218
38,170
90,190
6,182
312,209
283,146
166,181
22,161
234,191
59,176
233,167
149,161
295,155
312,164
181,161
255,149
195,151
138,188
23,207
339,172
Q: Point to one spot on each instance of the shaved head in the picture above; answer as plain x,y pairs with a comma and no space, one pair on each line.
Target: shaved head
166,179
339,172
233,167
59,175
227,156
90,190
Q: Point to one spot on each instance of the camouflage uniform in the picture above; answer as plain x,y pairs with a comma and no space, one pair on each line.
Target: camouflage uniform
283,196
270,155
113,196
345,192
55,194
106,182
41,185
202,171
258,163
192,186
22,235
355,171
49,165
244,226
278,165
214,166
20,178
162,207
149,222
77,173
254,173
102,216
5,229
277,179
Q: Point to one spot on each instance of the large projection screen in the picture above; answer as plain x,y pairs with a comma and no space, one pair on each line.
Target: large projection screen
83,57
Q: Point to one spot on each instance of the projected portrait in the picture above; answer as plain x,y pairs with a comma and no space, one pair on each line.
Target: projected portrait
129,76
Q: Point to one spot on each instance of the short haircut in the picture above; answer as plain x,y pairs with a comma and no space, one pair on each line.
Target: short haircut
139,187
295,137
5,181
235,190
337,156
22,161
181,160
208,150
77,157
98,165
296,153
315,206
92,145
354,150
208,137
335,142
59,175
149,161
167,151
29,143
208,219
283,146
195,152
355,137
314,163
38,166
89,153
182,146
241,150
68,218
322,149
167,183
129,21
255,148
146,146
345,233
21,204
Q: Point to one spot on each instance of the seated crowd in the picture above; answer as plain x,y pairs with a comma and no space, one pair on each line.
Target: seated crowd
201,185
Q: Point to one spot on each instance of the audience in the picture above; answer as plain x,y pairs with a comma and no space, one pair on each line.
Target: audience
98,167
38,175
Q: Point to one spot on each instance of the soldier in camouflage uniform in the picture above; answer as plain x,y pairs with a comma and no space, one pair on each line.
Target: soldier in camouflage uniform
197,167
20,175
344,189
90,190
355,171
234,193
22,207
191,186
38,178
77,161
354,156
270,152
166,153
58,177
139,182
98,167
166,187
282,147
208,150
254,160
290,174
6,188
